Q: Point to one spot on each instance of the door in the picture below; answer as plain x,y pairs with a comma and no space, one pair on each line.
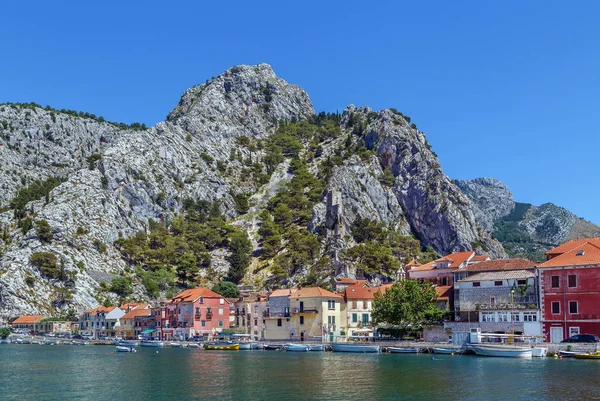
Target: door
301,306
556,334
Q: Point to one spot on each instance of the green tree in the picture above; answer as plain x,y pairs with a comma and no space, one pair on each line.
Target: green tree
240,247
43,230
407,304
187,267
121,286
226,289
47,262
4,332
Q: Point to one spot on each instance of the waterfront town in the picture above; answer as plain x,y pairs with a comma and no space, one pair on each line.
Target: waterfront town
553,300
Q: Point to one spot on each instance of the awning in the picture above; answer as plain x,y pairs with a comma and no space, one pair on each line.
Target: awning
148,331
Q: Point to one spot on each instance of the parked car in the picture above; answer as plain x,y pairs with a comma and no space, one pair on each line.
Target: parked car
77,337
582,338
196,339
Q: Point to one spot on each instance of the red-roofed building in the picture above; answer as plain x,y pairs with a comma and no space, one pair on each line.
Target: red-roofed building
317,312
570,289
359,304
197,311
440,271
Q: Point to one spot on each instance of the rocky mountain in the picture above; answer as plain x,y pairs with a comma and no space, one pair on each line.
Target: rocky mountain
525,230
93,211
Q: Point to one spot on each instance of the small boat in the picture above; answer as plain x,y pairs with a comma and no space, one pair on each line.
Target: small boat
221,346
156,344
194,345
291,347
444,350
22,341
36,342
178,345
245,346
68,343
539,352
272,347
125,349
502,351
80,343
355,348
257,346
316,347
127,343
567,354
49,341
588,356
399,350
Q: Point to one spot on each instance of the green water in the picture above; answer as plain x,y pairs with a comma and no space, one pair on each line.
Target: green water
35,372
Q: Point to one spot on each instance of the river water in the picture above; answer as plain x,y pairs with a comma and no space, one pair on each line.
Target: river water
35,372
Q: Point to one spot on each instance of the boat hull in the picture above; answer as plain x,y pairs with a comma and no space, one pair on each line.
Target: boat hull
221,347
504,352
363,349
125,349
272,347
444,351
245,346
127,343
567,354
398,350
296,348
154,344
316,348
587,356
178,345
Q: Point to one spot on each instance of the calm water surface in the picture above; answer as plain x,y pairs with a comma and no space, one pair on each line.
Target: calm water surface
34,372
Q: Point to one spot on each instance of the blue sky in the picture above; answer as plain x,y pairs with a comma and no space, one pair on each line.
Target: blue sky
501,89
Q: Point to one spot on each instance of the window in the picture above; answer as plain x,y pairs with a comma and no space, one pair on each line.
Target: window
555,282
203,323
256,322
201,300
279,323
220,311
498,283
365,318
476,284
301,319
221,301
573,331
354,306
366,304
556,307
573,307
492,300
330,304
488,317
503,317
444,280
515,317
355,318
331,319
521,282
220,323
572,280
530,317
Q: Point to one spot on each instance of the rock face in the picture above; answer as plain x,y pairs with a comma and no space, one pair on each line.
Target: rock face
492,199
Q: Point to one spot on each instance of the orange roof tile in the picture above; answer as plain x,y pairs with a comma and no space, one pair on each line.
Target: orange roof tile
567,246
359,291
315,292
456,259
137,312
283,292
443,292
383,288
479,258
193,294
500,264
587,253
345,280
104,309
28,319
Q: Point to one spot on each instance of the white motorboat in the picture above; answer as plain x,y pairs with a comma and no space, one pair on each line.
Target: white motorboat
80,343
506,351
399,350
156,344
194,345
51,341
245,346
539,352
567,354
125,349
178,345
355,348
257,346
444,350
127,343
291,347
316,347
22,341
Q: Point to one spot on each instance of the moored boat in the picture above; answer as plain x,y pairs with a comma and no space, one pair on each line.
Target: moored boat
22,341
355,348
444,350
291,347
127,343
567,354
221,346
245,346
156,344
194,345
51,341
272,347
539,352
257,346
506,351
178,345
125,349
595,355
399,350
316,347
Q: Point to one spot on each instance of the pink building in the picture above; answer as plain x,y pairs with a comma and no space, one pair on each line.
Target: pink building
194,312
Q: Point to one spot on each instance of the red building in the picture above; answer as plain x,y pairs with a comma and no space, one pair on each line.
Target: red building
570,289
198,311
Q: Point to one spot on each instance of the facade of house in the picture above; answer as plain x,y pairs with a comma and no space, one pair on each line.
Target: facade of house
101,321
359,304
256,312
570,289
197,311
501,301
317,313
128,327
441,271
278,314
28,322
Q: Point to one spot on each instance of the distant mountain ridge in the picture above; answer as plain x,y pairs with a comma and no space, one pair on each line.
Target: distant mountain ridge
523,229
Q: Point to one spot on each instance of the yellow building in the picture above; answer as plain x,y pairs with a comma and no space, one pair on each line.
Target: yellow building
317,314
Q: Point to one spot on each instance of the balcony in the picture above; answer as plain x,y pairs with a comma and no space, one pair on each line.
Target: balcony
306,310
502,306
197,316
276,314
209,316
